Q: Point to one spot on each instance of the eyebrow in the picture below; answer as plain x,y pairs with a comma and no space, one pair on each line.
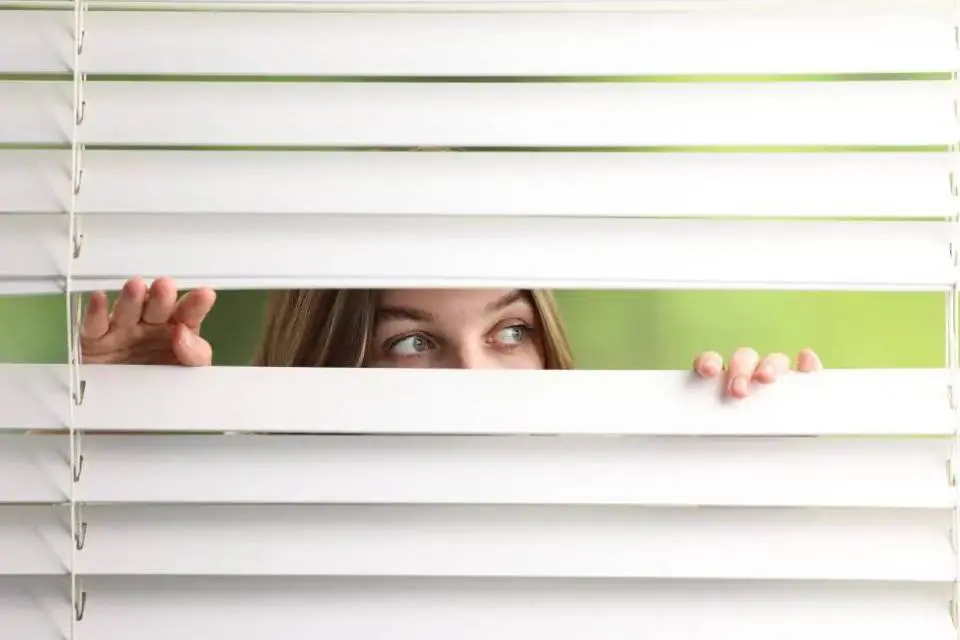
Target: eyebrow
505,301
421,315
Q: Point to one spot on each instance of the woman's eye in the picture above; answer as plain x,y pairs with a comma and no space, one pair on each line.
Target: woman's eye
410,346
512,335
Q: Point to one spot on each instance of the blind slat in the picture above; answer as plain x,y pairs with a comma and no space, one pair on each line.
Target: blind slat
493,541
478,44
35,608
780,7
262,609
531,252
482,114
490,541
33,469
487,541
494,470
871,185
254,399
34,540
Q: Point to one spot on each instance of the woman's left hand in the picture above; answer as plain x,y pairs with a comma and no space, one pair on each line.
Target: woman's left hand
746,368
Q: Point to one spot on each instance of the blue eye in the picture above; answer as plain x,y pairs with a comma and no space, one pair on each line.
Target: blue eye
512,335
410,346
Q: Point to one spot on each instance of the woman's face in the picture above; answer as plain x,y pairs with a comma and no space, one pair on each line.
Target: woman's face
456,329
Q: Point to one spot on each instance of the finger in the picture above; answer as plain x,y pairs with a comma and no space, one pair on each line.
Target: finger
808,361
129,305
708,364
160,302
96,318
190,349
742,366
194,307
772,367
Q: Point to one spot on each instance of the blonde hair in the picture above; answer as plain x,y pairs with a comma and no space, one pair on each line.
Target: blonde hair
334,328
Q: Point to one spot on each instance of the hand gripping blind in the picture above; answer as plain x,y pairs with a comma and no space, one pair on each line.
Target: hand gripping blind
527,144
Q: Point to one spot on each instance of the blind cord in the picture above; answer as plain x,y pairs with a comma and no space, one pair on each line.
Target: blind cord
74,302
952,342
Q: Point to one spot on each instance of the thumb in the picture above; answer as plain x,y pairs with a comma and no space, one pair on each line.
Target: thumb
190,349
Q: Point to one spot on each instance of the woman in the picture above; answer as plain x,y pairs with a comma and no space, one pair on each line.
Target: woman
430,328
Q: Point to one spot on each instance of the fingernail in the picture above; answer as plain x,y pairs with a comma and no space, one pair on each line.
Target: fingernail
187,338
765,370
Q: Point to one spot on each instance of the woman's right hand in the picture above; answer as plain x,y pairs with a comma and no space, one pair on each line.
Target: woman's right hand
147,326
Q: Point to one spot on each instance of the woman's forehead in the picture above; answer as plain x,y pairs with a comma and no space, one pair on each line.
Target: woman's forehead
437,300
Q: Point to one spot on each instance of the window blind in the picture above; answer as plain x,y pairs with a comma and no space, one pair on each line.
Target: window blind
531,144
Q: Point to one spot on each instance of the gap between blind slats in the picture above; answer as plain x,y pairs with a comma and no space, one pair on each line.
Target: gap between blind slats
485,251
437,609
486,541
901,472
482,114
871,185
477,44
254,399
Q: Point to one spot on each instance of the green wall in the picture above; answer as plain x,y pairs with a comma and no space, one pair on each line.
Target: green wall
624,329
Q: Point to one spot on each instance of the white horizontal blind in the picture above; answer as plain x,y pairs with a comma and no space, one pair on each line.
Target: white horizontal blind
547,144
